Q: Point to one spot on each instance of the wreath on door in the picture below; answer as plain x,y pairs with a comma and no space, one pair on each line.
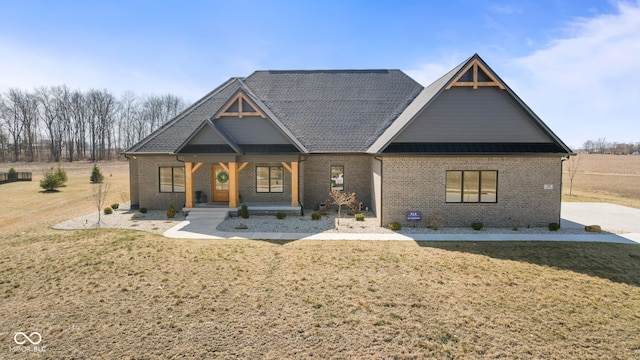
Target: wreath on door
222,177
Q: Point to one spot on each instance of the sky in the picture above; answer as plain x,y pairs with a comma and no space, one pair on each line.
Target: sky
575,63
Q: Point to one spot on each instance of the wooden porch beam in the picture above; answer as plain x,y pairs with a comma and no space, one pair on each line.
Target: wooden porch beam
241,167
196,167
224,166
233,185
286,166
294,183
188,170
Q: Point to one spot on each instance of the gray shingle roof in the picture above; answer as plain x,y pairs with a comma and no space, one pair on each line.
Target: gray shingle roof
321,111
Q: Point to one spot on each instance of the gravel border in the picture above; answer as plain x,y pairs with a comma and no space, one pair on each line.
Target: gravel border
155,221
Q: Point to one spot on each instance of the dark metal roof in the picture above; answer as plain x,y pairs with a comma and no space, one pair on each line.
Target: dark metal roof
474,148
207,149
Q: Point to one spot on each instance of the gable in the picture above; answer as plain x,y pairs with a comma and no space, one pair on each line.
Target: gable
462,114
239,106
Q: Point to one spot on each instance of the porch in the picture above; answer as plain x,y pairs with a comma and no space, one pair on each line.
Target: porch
255,208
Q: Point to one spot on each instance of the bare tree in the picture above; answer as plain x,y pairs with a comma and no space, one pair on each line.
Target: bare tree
572,168
99,192
341,198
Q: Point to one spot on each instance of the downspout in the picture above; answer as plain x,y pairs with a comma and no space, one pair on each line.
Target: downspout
301,158
381,182
562,160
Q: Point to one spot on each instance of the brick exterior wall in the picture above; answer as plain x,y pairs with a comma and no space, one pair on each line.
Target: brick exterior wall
316,181
148,183
418,183
247,186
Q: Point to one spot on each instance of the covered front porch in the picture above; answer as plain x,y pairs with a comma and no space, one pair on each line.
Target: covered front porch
261,182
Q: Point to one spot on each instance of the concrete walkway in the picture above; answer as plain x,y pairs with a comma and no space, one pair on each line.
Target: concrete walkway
620,224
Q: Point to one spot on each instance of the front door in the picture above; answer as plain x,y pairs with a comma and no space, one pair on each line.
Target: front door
219,184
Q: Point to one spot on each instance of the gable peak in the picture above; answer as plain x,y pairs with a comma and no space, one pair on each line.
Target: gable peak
240,106
476,74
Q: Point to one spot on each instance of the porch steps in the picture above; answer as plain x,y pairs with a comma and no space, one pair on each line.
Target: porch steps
208,213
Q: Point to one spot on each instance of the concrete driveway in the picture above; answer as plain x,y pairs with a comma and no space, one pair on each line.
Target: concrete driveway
612,218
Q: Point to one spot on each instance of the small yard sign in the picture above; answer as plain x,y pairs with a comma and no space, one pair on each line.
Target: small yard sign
414,215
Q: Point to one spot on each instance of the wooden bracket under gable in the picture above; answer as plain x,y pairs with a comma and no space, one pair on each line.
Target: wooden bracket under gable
245,108
475,65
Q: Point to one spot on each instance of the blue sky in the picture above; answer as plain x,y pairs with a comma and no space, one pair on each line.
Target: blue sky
573,62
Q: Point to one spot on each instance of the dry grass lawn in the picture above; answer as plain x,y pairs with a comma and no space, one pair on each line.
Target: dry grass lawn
118,294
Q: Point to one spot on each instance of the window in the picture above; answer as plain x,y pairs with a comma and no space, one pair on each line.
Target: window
172,179
471,186
337,177
269,179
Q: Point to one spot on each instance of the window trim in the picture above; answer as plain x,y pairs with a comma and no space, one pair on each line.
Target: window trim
270,167
480,188
173,180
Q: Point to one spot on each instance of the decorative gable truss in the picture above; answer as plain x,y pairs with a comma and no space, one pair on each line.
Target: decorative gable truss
475,74
240,106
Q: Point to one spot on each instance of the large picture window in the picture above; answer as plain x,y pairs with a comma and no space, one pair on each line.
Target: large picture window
471,186
337,177
269,179
172,179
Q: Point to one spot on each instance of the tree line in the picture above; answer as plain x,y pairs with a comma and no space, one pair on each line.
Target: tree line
59,124
602,146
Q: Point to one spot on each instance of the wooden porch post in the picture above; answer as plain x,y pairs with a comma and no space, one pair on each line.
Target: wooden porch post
294,183
233,185
189,184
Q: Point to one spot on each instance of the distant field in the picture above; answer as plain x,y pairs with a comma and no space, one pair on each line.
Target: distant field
117,294
605,178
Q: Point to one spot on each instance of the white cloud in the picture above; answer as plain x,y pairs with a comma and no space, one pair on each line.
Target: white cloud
585,86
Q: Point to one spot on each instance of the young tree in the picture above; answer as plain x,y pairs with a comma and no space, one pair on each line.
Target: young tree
99,193
572,168
341,198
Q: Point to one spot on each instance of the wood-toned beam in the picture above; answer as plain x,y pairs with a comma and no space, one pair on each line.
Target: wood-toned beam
188,170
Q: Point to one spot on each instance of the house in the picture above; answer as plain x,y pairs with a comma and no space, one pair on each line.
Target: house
466,147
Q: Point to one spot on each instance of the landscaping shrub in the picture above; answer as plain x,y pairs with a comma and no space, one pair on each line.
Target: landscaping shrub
53,178
13,174
554,226
244,212
478,225
142,210
359,217
316,215
281,215
171,211
96,175
395,226
107,211
115,206
434,221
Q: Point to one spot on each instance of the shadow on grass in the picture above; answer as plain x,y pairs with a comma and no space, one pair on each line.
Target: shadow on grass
616,262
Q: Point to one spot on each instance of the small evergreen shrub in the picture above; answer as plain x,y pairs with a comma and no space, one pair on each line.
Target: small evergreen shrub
281,215
316,215
554,226
96,175
244,212
107,211
54,178
13,174
171,211
395,226
142,210
478,225
359,217
115,206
